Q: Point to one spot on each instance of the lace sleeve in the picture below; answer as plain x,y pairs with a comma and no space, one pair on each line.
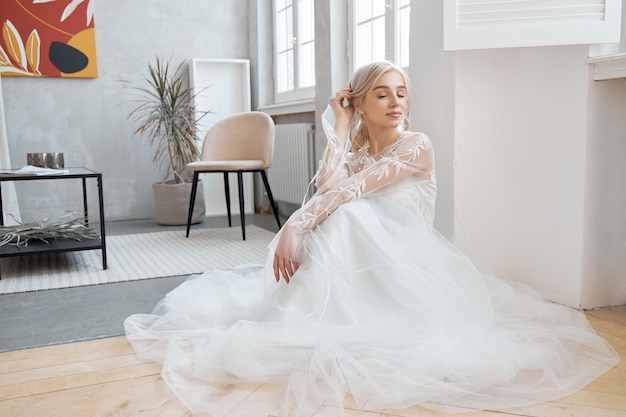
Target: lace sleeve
411,155
332,168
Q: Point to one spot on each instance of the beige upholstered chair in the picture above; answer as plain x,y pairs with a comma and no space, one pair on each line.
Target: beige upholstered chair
243,142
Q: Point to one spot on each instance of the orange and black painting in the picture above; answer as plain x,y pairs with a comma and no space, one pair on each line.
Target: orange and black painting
48,38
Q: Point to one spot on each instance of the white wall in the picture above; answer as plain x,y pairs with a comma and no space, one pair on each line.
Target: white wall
520,155
529,155
433,90
604,250
86,118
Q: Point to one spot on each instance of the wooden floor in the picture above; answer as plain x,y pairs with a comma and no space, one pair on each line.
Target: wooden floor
105,378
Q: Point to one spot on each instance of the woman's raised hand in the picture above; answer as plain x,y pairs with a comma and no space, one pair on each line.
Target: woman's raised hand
343,108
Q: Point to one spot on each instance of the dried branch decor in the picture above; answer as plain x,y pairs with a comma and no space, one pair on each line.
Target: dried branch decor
69,225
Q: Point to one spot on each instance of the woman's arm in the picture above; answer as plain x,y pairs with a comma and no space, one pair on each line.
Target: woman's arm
332,167
413,156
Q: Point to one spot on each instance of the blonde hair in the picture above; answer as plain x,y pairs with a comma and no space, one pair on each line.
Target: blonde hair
362,81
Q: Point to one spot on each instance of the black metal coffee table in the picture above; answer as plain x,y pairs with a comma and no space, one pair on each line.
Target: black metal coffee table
36,247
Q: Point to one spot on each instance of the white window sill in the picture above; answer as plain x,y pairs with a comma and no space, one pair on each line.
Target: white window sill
301,106
608,67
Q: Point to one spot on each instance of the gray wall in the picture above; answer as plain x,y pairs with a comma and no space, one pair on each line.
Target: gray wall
86,118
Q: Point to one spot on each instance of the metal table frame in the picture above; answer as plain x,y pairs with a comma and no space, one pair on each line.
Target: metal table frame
36,247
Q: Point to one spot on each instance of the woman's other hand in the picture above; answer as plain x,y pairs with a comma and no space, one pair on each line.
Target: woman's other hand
285,261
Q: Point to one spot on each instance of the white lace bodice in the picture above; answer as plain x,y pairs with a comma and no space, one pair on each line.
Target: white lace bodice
416,194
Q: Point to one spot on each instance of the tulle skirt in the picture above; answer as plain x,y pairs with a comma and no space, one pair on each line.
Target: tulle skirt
384,309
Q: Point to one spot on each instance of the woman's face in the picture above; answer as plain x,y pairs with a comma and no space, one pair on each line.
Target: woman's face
386,104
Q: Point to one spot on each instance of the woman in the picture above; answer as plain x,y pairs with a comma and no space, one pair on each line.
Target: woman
361,296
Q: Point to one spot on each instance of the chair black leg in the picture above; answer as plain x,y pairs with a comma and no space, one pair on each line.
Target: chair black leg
227,192
192,200
241,204
271,197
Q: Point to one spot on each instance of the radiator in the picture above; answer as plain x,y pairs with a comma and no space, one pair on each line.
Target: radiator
293,165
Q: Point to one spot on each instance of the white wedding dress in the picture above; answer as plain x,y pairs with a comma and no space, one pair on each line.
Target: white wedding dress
382,308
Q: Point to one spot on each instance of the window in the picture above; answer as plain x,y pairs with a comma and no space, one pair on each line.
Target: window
469,24
294,50
380,31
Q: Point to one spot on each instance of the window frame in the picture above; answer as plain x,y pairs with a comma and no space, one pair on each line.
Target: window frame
392,33
297,93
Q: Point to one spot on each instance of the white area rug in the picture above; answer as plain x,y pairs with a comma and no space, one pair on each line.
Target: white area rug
137,256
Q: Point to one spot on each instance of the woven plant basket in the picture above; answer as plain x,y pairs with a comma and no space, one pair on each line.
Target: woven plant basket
171,203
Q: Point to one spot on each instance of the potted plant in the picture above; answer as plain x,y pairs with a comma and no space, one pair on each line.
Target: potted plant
167,118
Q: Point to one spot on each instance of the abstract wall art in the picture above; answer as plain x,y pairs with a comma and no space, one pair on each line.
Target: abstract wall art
48,38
